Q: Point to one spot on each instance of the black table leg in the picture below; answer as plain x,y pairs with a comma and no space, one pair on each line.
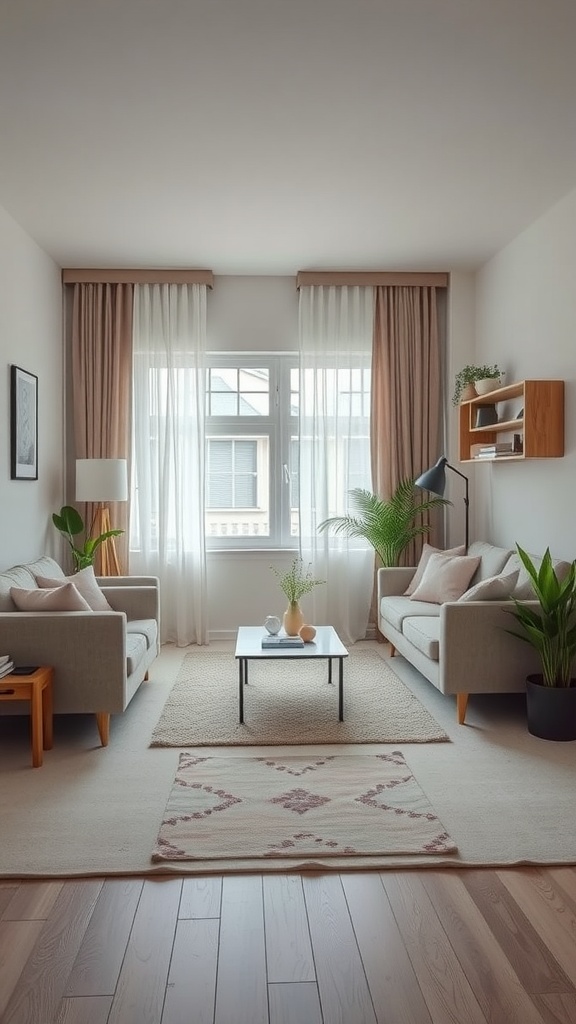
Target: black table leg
330,670
242,664
340,689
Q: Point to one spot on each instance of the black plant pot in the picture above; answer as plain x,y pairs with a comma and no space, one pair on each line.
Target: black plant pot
551,710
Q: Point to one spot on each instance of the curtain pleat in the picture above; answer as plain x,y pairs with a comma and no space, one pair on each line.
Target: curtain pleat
102,384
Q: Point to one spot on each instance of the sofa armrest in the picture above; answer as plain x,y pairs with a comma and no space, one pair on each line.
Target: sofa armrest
393,580
128,581
477,655
135,602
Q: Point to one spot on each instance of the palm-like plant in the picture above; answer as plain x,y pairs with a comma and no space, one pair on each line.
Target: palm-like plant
388,526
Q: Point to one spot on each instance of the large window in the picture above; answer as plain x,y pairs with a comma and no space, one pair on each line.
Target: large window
251,450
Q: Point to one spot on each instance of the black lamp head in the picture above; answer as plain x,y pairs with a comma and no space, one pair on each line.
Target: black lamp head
434,479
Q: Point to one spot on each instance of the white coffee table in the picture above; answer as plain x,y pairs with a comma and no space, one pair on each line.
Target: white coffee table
327,644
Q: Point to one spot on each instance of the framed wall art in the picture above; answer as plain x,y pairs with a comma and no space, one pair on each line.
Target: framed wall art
23,424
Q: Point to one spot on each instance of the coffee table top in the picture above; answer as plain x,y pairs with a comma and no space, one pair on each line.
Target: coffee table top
326,644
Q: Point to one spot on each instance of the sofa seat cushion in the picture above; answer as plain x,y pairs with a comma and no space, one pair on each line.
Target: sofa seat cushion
395,609
423,631
147,627
136,647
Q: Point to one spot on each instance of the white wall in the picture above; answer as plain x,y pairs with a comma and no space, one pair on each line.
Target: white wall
30,337
526,322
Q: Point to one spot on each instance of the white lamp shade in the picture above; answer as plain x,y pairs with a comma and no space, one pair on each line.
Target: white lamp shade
101,480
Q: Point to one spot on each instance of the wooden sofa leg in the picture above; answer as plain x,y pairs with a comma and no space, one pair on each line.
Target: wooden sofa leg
103,723
461,705
392,650
146,678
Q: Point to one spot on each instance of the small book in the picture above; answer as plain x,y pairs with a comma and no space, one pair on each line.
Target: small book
6,669
279,642
4,658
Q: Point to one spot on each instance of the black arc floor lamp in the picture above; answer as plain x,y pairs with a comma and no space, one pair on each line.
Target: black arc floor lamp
434,480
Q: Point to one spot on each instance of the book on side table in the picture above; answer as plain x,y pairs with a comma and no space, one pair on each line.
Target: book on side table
278,642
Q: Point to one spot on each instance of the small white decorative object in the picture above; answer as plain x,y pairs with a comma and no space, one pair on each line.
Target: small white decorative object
272,624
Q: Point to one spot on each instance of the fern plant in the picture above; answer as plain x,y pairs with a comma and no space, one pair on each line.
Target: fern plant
388,526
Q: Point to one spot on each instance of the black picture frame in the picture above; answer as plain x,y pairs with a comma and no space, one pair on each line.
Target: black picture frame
23,424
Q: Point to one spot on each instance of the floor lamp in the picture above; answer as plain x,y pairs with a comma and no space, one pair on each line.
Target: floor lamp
434,480
100,481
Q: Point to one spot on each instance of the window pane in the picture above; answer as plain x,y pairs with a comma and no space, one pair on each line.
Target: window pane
237,489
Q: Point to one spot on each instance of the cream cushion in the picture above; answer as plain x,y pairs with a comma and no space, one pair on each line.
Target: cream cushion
428,550
495,588
85,583
524,591
445,578
60,599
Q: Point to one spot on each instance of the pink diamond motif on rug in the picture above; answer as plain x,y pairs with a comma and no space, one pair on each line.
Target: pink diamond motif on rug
300,800
362,805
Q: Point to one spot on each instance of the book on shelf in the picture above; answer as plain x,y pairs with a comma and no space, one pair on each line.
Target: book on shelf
496,455
279,642
6,668
4,658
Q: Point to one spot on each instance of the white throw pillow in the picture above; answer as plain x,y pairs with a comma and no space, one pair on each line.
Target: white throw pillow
428,550
495,588
61,599
85,583
445,578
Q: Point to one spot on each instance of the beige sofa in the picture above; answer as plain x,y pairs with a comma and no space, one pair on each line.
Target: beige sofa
461,647
99,657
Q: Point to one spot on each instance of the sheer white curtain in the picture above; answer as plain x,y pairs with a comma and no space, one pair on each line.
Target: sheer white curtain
336,327
167,512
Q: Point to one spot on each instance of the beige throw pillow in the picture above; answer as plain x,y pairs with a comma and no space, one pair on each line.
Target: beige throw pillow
61,599
495,588
85,583
428,550
445,578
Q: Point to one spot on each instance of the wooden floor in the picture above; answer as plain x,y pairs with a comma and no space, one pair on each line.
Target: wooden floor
411,947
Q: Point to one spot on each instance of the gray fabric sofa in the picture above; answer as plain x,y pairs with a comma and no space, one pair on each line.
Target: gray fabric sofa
461,647
99,658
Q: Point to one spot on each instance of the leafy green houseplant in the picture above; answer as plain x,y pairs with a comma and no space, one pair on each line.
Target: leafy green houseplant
469,374
388,526
70,524
551,630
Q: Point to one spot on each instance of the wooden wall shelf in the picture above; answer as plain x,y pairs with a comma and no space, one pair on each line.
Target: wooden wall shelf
534,409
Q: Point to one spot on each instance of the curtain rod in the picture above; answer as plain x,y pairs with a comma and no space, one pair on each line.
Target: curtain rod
370,278
84,275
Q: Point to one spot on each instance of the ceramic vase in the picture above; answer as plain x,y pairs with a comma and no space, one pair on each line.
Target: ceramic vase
468,392
293,619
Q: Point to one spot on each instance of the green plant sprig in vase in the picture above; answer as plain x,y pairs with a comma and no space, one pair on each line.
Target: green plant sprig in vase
70,524
296,582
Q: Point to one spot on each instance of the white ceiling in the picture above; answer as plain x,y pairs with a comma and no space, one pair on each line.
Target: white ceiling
271,136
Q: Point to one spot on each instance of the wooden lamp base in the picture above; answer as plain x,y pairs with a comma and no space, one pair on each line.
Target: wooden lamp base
109,564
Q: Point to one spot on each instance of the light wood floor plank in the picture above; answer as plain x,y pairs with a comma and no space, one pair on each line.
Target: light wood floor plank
294,1003
84,1010
17,940
99,960
393,984
241,992
191,991
7,894
201,897
33,901
42,983
288,947
550,911
344,993
536,968
142,983
557,1008
449,997
495,984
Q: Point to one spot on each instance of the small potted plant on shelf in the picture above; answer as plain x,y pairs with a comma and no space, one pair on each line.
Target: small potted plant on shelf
468,378
551,629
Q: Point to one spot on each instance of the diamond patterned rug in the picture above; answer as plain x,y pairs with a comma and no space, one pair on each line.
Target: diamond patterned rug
309,808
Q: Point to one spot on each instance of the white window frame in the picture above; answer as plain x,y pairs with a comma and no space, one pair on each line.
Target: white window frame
279,426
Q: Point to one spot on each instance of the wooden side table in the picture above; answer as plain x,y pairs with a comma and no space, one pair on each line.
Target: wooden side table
37,688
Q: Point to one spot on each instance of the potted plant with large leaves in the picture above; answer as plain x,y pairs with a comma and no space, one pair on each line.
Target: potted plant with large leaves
551,630
388,526
70,524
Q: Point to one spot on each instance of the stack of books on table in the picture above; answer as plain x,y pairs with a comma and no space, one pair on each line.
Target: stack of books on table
6,665
279,642
493,451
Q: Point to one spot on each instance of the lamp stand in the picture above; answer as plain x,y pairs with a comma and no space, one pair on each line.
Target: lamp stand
109,564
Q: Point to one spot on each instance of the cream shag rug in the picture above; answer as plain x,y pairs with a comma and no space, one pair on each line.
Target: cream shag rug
309,808
288,702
